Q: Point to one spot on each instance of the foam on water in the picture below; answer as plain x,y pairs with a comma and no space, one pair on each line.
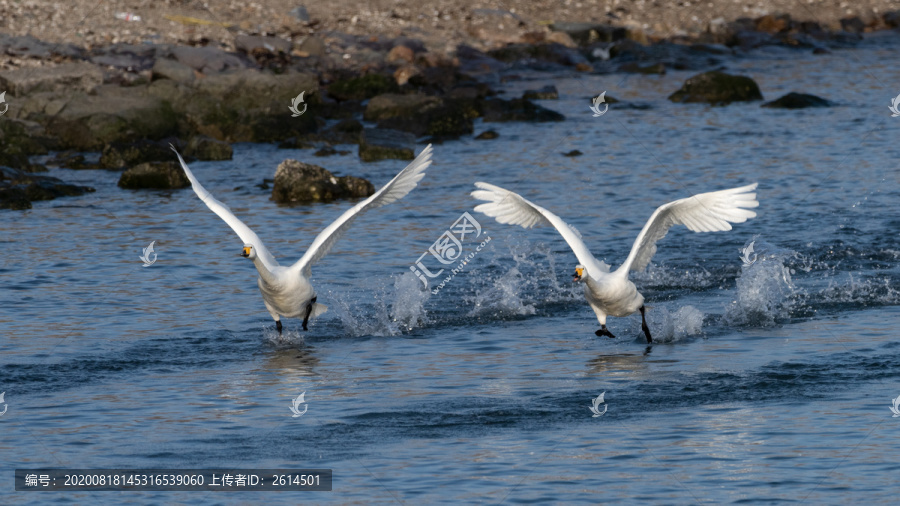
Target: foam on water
409,298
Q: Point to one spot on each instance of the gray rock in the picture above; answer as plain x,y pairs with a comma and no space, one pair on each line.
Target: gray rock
297,182
391,105
165,68
69,76
546,93
587,33
154,175
382,144
202,147
312,46
253,43
207,59
717,88
89,122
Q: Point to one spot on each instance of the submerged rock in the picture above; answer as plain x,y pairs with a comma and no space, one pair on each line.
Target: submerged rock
546,93
18,189
154,175
202,147
717,88
487,135
298,182
382,144
798,101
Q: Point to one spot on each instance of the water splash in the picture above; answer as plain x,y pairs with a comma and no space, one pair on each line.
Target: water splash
765,289
408,307
668,327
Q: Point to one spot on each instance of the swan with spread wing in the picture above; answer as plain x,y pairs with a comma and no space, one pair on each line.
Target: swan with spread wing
286,291
612,293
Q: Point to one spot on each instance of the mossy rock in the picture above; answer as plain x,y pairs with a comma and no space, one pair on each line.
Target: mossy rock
154,175
298,182
364,87
717,88
120,155
383,144
207,148
797,101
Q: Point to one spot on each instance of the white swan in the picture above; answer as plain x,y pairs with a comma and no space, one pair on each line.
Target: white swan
286,291
611,293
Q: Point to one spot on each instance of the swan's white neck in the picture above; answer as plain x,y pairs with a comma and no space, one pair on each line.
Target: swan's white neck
267,276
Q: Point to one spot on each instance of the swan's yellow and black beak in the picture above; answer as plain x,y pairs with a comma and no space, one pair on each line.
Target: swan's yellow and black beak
246,252
579,272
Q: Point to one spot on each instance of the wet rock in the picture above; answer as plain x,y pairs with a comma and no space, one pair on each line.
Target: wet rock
18,189
330,151
473,62
72,160
853,25
891,18
403,74
750,39
19,140
587,33
154,175
346,131
297,182
718,49
391,105
164,68
635,68
202,147
551,53
120,155
773,24
546,93
207,60
573,153
382,144
487,135
798,101
500,110
295,143
717,88
361,88
66,77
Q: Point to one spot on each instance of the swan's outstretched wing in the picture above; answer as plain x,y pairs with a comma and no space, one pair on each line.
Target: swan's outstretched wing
511,208
242,230
705,212
395,190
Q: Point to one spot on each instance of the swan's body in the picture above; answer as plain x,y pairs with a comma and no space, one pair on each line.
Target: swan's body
612,293
286,291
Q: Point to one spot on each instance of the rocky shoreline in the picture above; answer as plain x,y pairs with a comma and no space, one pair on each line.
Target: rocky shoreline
131,102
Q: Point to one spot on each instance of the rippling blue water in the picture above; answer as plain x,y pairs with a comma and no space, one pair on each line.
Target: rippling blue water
771,382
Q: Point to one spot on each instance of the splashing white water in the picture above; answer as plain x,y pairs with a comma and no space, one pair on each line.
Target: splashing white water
669,327
765,289
408,307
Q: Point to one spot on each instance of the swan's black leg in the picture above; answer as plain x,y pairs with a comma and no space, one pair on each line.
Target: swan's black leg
308,312
644,326
278,325
604,332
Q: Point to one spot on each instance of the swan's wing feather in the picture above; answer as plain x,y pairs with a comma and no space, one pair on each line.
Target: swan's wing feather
394,190
241,229
705,212
512,209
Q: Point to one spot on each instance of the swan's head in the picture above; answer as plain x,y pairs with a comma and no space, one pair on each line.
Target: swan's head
248,252
579,273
